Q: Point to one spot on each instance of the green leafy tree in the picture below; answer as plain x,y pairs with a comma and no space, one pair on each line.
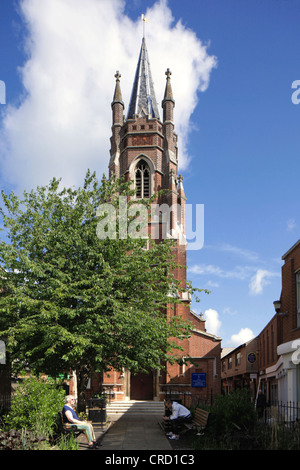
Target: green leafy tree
72,301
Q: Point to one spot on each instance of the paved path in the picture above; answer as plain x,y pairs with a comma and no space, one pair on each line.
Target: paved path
132,433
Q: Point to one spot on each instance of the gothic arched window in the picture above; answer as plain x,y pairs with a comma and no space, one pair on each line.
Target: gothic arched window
142,180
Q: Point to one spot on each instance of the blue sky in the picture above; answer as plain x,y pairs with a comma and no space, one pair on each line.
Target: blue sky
233,64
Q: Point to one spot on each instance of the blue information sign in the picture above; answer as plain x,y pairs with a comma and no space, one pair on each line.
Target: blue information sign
199,379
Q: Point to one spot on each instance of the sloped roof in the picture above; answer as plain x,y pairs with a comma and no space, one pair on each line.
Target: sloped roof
291,249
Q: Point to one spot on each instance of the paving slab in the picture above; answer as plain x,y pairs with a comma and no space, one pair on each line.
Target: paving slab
131,433
135,433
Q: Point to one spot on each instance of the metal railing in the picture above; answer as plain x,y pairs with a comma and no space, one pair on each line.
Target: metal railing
188,398
283,413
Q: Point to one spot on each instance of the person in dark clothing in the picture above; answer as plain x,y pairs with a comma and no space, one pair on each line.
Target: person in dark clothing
260,404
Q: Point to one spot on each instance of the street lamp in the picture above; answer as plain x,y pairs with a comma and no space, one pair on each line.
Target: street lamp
277,305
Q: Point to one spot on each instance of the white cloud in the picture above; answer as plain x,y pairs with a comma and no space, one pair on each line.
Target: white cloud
291,225
212,284
235,250
257,281
63,124
239,272
229,311
244,335
260,280
212,324
244,253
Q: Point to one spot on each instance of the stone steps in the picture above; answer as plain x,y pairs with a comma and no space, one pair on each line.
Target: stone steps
116,409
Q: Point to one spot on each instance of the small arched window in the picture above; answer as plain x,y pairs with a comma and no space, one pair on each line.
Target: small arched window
142,180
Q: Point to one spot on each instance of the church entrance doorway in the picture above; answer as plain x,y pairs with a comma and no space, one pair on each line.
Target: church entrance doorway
141,386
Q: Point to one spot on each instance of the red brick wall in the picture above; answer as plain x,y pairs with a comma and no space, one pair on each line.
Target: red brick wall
283,327
289,296
268,341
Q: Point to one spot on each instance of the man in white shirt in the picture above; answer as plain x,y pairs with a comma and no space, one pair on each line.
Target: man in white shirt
180,414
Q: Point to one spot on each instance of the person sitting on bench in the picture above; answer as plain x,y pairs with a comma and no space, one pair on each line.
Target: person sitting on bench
70,418
180,414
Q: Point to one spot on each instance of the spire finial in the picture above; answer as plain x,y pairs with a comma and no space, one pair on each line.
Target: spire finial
168,73
145,20
117,95
168,90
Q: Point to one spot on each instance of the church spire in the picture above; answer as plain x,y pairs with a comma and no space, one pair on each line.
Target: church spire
143,101
117,106
168,102
168,89
117,94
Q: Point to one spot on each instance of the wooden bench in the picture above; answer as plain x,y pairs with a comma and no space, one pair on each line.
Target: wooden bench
199,422
67,431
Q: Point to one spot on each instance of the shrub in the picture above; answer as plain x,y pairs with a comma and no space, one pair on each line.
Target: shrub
35,405
233,411
232,422
68,443
20,440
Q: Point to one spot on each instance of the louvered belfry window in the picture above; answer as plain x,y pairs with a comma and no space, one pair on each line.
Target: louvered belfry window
142,180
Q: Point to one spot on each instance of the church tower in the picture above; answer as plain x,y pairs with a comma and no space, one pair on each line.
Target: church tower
144,147
144,150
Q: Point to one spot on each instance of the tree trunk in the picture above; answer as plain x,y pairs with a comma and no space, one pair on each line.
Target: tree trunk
83,374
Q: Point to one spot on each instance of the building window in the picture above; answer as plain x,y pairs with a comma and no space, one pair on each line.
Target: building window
230,363
238,359
298,297
142,180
